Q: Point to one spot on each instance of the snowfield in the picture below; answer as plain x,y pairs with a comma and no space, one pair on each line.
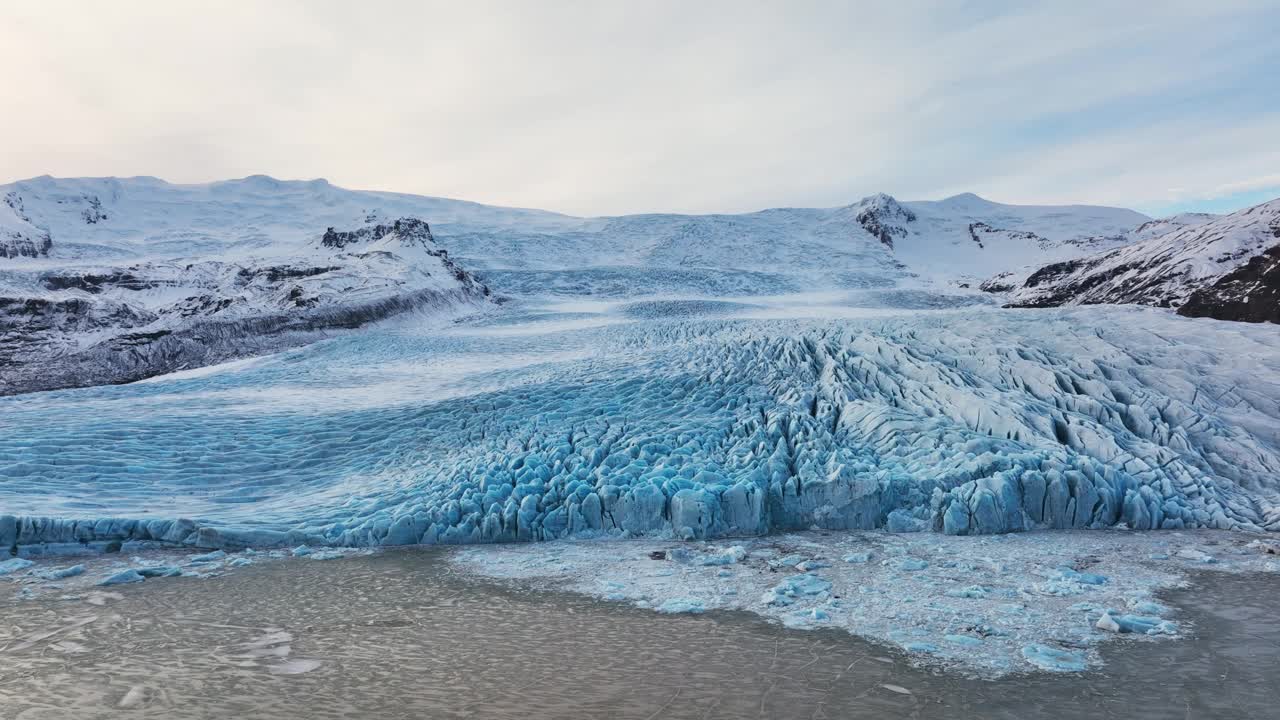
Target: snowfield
110,280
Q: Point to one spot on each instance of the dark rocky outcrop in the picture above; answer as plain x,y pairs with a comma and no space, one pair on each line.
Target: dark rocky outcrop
16,245
998,283
1250,293
1207,266
29,242
230,310
133,356
93,214
276,273
882,217
407,229
95,283
977,230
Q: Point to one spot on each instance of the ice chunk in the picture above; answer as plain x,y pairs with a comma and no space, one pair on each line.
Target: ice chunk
122,577
858,557
209,557
156,571
1147,607
921,647
794,587
902,521
1053,659
811,565
1072,575
976,592
1141,624
730,556
331,554
13,565
61,573
1196,555
907,564
682,605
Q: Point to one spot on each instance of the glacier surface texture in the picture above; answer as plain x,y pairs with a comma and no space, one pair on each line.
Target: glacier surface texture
685,417
515,375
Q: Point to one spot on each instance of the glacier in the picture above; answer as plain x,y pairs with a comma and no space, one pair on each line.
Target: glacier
526,375
687,417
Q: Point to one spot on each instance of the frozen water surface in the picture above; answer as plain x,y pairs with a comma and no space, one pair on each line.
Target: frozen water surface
399,633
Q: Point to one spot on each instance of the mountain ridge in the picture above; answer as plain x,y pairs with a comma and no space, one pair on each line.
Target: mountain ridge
1208,259
119,267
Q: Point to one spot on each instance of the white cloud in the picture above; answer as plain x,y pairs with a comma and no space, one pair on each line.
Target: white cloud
604,107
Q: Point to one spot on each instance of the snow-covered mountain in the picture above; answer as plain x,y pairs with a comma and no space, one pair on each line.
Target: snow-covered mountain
137,277
114,279
967,237
1206,266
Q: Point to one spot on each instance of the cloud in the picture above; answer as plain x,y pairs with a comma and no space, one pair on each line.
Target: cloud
610,107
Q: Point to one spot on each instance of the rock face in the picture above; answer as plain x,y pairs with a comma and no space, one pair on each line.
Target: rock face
1223,268
1250,293
979,230
18,237
884,218
408,230
16,245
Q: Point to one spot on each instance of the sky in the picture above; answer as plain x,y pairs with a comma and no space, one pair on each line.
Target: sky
605,107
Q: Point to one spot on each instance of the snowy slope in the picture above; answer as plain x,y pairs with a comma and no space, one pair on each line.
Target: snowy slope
140,277
113,218
1006,281
114,279
1168,269
972,238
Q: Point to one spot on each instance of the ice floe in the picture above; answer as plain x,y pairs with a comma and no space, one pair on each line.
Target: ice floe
1033,601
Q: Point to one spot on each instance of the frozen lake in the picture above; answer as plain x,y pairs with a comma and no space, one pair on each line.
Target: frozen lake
402,634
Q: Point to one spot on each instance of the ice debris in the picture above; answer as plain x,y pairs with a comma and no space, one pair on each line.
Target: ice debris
123,577
795,587
1111,621
1054,659
730,556
209,557
682,605
61,573
13,565
157,571
976,592
1197,555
